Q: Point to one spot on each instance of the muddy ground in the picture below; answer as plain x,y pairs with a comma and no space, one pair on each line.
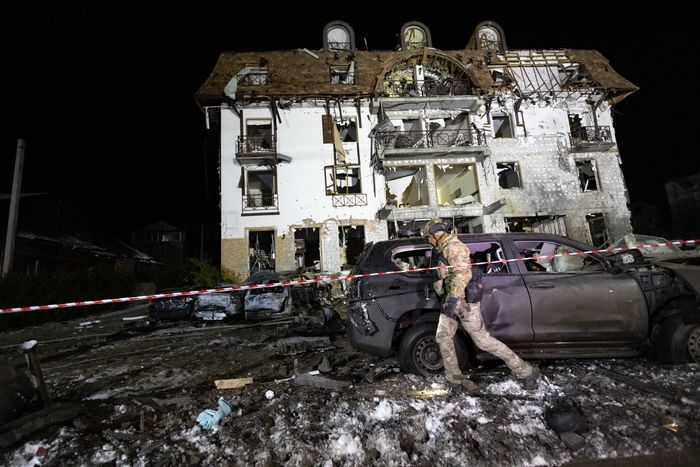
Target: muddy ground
130,394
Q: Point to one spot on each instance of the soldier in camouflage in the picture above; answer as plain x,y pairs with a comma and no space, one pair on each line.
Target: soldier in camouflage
452,285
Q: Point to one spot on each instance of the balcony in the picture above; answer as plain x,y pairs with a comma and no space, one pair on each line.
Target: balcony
258,150
410,143
260,204
591,138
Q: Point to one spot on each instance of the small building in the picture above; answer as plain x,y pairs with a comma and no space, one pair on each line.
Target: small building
162,241
52,235
322,151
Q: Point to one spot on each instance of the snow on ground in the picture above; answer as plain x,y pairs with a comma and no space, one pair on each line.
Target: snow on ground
142,396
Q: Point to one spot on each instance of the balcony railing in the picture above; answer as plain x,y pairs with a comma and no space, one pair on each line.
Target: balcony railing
349,200
428,88
591,135
428,139
259,203
251,144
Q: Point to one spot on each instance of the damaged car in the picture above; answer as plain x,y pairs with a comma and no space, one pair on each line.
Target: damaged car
216,306
574,305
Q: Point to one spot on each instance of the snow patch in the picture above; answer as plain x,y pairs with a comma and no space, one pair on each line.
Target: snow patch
346,445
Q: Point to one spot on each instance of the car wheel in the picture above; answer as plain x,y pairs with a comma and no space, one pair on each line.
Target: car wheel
677,342
419,352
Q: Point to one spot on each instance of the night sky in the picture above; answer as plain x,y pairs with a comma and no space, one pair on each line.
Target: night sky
105,100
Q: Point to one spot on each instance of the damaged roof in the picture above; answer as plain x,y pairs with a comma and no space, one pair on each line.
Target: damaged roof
305,73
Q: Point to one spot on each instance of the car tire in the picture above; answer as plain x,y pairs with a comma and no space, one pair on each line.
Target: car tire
419,352
677,342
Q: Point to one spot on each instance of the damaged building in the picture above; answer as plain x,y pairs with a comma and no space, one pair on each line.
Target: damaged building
325,150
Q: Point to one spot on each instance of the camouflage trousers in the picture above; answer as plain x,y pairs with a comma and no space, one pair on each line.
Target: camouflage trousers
470,316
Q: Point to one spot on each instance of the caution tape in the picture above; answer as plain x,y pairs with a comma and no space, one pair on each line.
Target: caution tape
320,280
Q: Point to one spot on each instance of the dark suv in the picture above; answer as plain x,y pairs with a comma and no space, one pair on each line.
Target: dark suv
593,305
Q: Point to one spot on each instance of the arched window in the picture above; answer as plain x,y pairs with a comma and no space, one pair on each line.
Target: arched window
415,35
337,36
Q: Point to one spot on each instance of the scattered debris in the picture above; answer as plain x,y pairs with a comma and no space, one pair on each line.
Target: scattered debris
325,365
232,383
320,382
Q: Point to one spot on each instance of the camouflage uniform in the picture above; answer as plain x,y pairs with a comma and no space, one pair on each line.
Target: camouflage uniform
456,279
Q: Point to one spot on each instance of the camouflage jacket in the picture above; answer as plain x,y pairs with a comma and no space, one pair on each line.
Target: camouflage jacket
456,254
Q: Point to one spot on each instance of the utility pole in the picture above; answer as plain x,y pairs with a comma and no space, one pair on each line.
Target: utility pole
14,209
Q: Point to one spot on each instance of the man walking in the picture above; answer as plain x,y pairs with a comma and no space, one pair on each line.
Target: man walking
453,284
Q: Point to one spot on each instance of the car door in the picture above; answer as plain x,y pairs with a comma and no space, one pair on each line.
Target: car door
576,298
505,306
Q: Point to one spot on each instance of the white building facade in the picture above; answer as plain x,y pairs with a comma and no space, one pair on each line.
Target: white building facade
323,151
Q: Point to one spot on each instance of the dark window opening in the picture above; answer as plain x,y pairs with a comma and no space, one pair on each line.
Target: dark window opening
587,175
347,131
508,174
307,248
260,188
543,224
352,241
261,250
596,225
343,74
501,126
343,179
259,134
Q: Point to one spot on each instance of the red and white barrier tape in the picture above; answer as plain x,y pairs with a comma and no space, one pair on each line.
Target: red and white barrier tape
319,279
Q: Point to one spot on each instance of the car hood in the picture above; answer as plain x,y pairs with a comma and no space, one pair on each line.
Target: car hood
688,272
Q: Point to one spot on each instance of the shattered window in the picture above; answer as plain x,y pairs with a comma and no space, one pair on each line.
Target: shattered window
587,175
456,184
488,252
596,225
406,186
343,179
260,188
258,135
411,258
347,130
352,241
343,74
489,38
508,174
501,126
546,259
255,77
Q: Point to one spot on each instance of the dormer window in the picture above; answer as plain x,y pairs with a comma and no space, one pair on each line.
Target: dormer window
343,74
415,35
255,77
488,36
338,36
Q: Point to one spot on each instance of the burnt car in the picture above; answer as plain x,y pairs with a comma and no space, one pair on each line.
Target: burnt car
216,306
590,305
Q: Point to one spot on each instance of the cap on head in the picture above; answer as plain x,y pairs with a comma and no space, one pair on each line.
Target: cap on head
433,226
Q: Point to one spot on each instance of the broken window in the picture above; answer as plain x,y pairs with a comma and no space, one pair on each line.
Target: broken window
411,257
406,186
587,175
261,250
596,225
548,260
343,179
352,241
255,77
347,130
307,248
508,174
258,135
343,74
456,184
259,188
489,38
414,37
544,224
488,252
501,126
